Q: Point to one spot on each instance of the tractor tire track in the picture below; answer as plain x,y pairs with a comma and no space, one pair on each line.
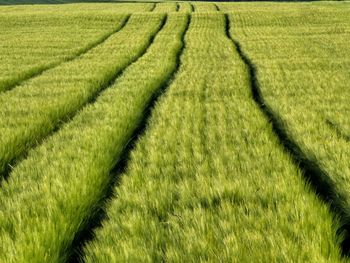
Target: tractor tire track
153,7
37,73
193,8
66,119
313,172
216,7
87,234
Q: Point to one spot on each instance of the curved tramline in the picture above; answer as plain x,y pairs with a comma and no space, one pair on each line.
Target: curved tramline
154,5
184,7
174,131
209,181
12,82
52,196
193,8
307,97
34,38
58,94
17,78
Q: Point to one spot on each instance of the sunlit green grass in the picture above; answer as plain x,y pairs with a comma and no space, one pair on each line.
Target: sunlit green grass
36,38
209,181
57,94
185,7
303,64
50,196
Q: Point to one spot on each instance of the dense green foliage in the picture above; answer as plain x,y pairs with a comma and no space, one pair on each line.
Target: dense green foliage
303,68
37,38
157,103
209,182
32,43
185,7
60,92
44,184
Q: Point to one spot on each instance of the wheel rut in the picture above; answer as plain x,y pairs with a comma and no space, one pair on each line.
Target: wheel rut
69,59
193,8
314,174
13,163
153,7
217,7
87,233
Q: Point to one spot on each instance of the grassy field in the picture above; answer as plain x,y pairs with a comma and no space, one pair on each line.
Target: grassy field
309,93
174,132
34,39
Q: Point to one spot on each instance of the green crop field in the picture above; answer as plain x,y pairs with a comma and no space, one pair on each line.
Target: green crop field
174,131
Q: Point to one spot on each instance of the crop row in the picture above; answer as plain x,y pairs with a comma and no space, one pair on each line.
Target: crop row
38,38
185,7
22,57
53,194
37,107
308,93
205,7
209,181
21,127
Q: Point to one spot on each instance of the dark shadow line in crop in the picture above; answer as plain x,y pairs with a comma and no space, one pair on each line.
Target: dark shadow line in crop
4,175
312,171
69,59
177,7
153,7
340,133
193,8
87,234
217,7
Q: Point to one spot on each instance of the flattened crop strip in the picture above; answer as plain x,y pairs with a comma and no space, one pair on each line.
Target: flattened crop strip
119,168
34,74
217,7
153,7
314,174
62,183
191,189
184,7
10,159
86,234
119,73
193,7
